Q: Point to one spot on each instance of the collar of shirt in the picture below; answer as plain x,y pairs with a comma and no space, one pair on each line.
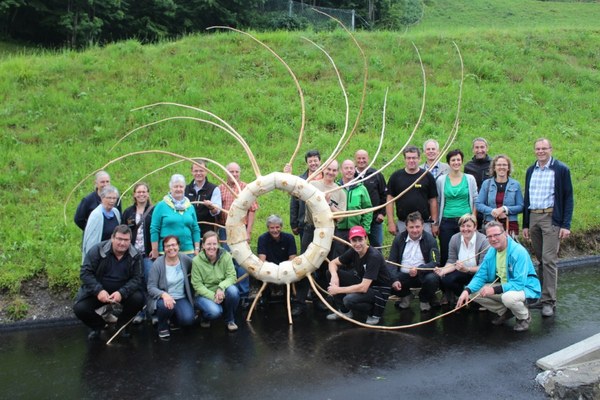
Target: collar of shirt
408,239
537,164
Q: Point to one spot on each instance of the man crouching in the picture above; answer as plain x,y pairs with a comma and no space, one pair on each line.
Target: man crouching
511,263
359,279
111,274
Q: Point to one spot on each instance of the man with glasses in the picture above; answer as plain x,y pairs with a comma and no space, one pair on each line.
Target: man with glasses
111,274
547,213
505,280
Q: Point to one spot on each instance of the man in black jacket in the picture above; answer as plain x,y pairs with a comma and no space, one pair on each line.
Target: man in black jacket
297,206
479,167
412,250
111,274
205,196
377,192
92,200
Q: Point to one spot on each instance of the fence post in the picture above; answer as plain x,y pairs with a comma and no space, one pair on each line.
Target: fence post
353,19
290,6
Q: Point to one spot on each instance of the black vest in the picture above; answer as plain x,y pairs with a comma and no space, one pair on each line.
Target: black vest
202,212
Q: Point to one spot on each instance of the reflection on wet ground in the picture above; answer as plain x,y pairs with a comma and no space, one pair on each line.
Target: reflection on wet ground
460,355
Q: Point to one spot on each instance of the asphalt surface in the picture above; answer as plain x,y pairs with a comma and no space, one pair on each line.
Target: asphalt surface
459,356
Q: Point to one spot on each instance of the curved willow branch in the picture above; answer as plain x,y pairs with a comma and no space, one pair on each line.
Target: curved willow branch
337,149
296,82
226,127
316,290
169,153
364,87
412,134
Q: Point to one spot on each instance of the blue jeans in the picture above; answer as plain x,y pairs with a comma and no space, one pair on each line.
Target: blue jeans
376,235
147,265
211,310
182,313
243,285
448,227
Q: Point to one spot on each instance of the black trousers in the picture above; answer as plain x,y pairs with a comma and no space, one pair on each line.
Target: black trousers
85,310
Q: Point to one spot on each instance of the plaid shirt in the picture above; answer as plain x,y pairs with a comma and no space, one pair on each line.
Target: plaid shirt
541,188
227,199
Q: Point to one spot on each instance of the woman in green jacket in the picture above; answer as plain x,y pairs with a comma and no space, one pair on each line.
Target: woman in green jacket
213,279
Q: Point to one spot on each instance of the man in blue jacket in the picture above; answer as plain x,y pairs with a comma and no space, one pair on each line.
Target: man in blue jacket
547,212
505,280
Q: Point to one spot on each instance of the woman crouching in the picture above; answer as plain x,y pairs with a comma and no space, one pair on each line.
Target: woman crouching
169,291
213,279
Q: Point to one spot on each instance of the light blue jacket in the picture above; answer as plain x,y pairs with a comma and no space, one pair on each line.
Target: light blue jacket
93,229
513,199
520,273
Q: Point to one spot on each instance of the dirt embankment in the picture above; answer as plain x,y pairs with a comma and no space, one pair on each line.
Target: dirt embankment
37,301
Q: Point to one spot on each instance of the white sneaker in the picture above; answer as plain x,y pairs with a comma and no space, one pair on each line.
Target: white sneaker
335,317
372,320
425,306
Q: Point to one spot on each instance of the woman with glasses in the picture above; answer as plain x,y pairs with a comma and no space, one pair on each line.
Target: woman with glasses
169,290
103,220
500,197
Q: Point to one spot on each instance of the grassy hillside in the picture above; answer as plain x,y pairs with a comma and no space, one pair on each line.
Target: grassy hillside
62,112
451,15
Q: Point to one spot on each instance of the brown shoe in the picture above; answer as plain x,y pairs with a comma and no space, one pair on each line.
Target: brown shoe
502,318
522,325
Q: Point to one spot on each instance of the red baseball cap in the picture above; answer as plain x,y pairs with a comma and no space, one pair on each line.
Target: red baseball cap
357,231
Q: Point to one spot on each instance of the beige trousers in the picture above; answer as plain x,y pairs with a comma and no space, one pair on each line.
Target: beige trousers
499,303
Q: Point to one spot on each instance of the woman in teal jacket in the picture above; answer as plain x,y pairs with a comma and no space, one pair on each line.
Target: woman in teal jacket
175,215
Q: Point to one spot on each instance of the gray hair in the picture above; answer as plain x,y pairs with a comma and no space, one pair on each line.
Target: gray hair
431,141
411,149
100,174
493,224
274,219
108,189
176,178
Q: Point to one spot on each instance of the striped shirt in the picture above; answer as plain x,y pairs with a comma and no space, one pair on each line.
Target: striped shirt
541,187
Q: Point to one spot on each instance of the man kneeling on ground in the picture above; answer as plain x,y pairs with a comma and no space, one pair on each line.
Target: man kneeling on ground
511,263
111,274
364,283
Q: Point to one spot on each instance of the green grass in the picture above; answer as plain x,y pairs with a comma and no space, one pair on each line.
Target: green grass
61,112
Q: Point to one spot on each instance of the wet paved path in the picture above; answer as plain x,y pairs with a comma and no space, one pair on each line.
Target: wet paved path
462,355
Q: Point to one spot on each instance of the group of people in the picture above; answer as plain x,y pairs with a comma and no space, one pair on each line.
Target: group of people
152,268
454,229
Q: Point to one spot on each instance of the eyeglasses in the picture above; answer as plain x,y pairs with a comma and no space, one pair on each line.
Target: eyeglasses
169,246
494,236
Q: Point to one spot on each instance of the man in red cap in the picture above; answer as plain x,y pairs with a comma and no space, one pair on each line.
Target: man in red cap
359,279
